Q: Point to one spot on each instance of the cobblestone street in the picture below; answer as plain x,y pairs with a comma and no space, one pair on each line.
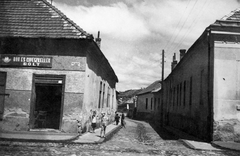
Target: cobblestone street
138,138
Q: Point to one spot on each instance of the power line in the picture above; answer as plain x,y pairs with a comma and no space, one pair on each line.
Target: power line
194,22
177,25
184,22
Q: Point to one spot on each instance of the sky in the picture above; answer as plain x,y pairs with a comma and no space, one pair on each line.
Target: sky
135,32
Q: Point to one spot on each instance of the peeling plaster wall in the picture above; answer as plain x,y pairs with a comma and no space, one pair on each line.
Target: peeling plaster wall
95,74
19,86
227,92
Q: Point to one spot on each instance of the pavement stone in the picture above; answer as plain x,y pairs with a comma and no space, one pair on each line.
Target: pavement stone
91,138
195,143
42,136
227,145
199,145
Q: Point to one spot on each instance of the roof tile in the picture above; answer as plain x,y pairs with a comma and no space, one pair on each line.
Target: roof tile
36,18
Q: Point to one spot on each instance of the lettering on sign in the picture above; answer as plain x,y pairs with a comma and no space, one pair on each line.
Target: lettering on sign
26,61
75,63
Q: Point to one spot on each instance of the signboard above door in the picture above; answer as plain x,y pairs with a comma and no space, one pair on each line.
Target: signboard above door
25,61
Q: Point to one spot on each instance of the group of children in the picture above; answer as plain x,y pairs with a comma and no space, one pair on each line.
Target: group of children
104,121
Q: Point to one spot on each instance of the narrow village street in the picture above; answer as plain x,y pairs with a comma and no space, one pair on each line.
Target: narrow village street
137,138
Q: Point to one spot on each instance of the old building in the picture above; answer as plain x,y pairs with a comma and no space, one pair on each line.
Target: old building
127,102
201,94
52,72
148,101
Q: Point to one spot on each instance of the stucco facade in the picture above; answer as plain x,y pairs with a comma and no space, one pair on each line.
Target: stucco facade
52,73
201,94
148,101
80,87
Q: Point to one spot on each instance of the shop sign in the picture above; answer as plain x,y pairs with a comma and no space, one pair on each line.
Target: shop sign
25,61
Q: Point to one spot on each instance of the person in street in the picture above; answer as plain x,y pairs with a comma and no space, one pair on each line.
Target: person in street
122,120
117,118
94,121
89,122
103,122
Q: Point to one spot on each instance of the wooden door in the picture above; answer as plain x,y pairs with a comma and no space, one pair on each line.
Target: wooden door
2,92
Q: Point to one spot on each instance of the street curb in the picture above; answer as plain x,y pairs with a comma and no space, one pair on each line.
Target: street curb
109,134
187,144
38,137
38,140
225,148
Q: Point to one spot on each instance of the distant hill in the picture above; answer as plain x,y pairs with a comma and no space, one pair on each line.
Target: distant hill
127,96
129,93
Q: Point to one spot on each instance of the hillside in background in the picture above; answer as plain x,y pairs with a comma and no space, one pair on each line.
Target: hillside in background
127,96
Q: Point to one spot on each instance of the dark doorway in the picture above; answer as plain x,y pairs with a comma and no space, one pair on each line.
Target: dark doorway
3,76
48,105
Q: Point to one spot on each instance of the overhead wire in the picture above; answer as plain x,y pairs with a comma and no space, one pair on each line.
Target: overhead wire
184,23
194,22
177,25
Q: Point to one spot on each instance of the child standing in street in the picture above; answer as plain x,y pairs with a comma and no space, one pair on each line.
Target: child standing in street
122,120
104,122
94,122
117,118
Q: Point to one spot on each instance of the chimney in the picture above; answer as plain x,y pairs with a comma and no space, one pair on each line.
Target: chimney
98,40
174,62
182,53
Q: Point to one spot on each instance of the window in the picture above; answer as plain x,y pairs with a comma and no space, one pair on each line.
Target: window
112,98
103,92
108,97
151,103
190,91
146,103
180,92
177,94
100,94
184,93
201,87
155,103
174,96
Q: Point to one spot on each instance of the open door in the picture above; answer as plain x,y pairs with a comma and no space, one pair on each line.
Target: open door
48,101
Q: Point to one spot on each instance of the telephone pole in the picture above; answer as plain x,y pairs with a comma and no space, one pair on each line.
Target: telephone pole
162,94
163,65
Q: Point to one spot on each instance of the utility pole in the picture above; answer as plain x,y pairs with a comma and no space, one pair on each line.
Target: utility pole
163,65
162,91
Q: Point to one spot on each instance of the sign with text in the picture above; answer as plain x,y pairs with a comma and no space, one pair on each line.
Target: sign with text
25,61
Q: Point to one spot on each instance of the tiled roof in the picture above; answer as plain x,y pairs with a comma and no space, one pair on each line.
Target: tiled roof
233,16
36,18
151,88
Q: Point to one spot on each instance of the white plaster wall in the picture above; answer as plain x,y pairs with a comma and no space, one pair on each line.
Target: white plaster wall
226,81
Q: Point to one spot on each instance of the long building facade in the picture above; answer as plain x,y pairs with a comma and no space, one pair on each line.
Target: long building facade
148,101
201,94
52,73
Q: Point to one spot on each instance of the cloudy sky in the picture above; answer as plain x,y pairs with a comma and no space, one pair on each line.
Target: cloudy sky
134,32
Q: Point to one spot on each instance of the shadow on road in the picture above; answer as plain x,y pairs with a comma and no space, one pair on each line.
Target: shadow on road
163,133
168,135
